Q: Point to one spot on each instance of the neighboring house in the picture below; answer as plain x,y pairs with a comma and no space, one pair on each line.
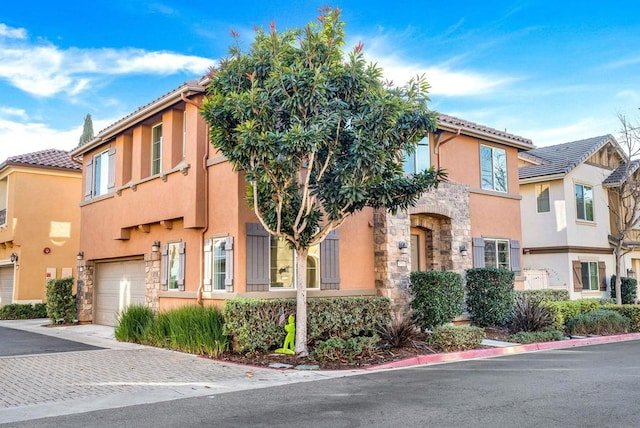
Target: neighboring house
39,223
165,220
565,214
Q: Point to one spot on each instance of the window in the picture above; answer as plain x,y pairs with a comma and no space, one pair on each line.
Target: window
584,202
100,174
156,149
172,266
493,168
419,160
283,265
496,253
542,198
589,275
218,264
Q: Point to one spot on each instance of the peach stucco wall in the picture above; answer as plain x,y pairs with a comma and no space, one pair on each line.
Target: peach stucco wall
42,213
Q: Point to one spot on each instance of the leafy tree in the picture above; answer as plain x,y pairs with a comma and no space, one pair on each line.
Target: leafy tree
317,136
87,130
624,198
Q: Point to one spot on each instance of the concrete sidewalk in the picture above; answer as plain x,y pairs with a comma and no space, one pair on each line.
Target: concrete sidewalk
125,374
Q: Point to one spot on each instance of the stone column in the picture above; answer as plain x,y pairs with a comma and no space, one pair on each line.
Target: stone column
84,291
152,280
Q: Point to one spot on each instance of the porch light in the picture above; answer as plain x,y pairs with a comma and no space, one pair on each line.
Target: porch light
13,257
463,251
631,273
155,247
80,255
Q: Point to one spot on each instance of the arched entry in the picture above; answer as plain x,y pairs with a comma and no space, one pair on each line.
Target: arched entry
430,242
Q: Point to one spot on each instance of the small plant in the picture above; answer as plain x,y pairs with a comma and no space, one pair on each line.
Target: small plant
525,337
61,306
438,297
402,332
345,350
529,314
598,322
490,295
133,324
450,338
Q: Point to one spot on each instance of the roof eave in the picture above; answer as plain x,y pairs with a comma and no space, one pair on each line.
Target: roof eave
541,178
486,136
139,115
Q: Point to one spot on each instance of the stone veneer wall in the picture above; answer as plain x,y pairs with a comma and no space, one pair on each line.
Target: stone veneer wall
446,210
84,293
152,274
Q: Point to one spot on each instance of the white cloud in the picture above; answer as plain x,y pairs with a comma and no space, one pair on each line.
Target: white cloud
586,127
46,70
12,33
16,112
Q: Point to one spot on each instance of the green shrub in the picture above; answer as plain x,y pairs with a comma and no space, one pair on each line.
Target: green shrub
490,295
562,311
345,350
193,329
628,287
23,311
253,324
599,322
401,332
133,323
437,297
450,338
61,306
525,337
529,314
545,295
632,312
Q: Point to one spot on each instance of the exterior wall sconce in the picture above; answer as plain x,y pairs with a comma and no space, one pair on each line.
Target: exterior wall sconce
631,273
13,257
463,251
155,247
402,245
80,255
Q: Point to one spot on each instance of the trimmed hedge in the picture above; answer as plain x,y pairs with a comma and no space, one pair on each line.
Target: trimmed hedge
253,324
600,322
563,311
61,306
545,295
630,311
452,338
525,337
23,311
490,295
628,286
438,297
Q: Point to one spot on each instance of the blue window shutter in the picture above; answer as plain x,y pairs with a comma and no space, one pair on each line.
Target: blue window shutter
164,267
111,183
228,274
88,184
258,240
514,247
478,252
208,261
330,262
181,265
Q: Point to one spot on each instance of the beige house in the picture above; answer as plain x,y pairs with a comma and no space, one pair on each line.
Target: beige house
39,223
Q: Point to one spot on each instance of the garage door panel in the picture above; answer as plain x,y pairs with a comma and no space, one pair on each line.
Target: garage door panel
6,285
118,285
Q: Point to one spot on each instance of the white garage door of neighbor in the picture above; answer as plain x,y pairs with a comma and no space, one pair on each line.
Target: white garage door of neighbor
118,285
6,285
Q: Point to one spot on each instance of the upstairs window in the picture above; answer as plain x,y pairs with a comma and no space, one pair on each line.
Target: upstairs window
156,149
542,198
584,202
493,168
100,174
419,160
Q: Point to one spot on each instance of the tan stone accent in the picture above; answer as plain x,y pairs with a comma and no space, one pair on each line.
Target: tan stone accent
84,288
152,272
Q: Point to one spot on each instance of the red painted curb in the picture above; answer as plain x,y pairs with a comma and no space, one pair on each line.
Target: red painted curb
509,350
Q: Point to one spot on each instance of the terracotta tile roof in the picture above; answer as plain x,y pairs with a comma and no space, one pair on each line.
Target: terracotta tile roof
465,124
561,158
51,158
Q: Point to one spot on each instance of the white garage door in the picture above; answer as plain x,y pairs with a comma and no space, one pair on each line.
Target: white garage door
117,285
6,285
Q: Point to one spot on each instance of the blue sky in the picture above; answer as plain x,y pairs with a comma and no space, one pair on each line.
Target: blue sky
550,71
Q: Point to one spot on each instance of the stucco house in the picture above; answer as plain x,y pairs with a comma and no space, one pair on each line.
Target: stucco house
164,221
566,216
39,223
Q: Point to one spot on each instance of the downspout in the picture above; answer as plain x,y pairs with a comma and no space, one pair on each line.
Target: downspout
205,172
437,136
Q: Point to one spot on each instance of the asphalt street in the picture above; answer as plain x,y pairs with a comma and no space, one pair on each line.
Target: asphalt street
17,342
589,386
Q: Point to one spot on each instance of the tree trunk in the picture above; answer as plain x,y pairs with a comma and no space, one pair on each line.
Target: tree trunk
301,303
618,284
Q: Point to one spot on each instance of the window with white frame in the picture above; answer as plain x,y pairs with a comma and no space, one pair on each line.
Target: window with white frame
589,275
584,202
283,265
100,174
173,266
219,266
542,198
156,149
496,253
493,168
419,160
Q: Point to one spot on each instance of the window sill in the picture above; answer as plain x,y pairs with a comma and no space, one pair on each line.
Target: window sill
586,223
495,193
97,199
